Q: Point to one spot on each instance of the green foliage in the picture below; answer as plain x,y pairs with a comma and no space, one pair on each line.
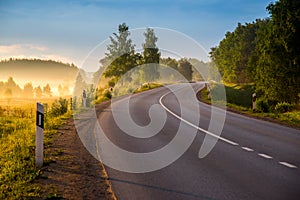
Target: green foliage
278,66
17,150
240,95
265,108
234,56
185,68
168,74
17,165
147,86
59,107
262,105
107,94
266,52
121,57
283,107
111,83
151,56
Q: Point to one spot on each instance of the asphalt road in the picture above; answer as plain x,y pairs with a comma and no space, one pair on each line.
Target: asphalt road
253,159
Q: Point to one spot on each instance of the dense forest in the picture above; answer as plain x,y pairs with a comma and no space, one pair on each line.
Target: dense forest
266,53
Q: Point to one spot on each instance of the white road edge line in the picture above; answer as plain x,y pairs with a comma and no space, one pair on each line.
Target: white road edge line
287,164
192,125
247,149
265,156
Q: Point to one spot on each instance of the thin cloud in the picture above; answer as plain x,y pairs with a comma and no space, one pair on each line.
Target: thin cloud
37,47
19,48
5,49
30,51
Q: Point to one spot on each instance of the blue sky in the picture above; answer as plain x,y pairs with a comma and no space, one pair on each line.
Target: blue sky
68,30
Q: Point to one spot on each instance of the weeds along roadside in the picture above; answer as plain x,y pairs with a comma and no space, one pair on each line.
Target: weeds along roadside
239,99
17,146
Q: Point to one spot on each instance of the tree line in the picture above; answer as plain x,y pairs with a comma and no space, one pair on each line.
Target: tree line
122,57
11,89
265,52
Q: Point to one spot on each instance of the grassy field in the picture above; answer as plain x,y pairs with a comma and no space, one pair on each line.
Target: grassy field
239,99
17,147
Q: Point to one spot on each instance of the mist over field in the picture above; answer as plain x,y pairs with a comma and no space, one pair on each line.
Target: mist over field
35,74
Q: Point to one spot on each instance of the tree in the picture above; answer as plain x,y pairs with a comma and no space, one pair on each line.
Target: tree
63,90
167,73
80,84
38,92
151,56
28,90
11,84
121,56
234,57
185,68
8,93
278,65
47,90
170,62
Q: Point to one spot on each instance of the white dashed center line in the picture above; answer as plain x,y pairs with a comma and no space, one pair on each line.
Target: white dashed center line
247,149
219,137
287,164
265,156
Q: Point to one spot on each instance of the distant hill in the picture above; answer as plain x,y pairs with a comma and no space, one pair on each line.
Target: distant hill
38,72
36,69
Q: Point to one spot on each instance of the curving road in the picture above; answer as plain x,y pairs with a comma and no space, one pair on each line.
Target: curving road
252,159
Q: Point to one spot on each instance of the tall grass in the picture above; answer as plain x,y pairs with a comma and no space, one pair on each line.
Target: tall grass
17,150
239,98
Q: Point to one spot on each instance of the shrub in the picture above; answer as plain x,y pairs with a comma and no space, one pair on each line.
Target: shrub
283,107
107,94
59,107
262,105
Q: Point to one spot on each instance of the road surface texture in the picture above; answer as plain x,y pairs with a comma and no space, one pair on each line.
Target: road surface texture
254,159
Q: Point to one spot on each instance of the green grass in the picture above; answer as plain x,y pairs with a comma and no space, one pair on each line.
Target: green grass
146,87
17,150
239,99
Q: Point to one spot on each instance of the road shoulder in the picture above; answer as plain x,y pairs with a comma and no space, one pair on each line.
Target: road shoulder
70,171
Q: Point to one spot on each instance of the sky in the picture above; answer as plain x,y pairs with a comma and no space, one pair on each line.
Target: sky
68,30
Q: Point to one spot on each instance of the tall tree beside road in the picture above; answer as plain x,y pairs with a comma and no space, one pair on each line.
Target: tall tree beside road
185,68
151,56
234,55
266,52
278,66
121,56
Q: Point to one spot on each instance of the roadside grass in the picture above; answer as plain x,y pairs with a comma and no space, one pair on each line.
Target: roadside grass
17,149
239,99
145,87
105,94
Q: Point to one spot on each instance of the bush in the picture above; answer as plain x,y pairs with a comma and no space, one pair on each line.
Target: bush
107,94
262,105
59,107
283,107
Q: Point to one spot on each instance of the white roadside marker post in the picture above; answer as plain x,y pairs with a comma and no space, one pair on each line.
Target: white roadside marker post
39,150
84,99
254,97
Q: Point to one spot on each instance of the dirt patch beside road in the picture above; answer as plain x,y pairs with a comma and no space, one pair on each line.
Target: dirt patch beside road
73,173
